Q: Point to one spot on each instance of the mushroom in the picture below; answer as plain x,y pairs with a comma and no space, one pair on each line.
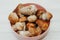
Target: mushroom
39,31
32,18
19,25
43,16
13,18
30,25
32,31
22,19
49,15
28,10
39,22
24,33
46,16
45,26
42,24
17,10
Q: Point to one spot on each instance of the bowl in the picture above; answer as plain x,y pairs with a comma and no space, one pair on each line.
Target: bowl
39,37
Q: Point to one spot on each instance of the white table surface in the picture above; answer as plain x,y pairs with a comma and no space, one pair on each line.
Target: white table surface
7,6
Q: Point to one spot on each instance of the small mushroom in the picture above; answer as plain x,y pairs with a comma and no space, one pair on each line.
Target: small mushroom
46,16
13,18
22,19
24,33
43,24
32,31
43,16
30,25
32,18
39,22
28,10
17,10
39,31
35,31
20,25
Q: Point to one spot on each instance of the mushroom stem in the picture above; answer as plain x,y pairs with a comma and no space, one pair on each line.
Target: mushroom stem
24,27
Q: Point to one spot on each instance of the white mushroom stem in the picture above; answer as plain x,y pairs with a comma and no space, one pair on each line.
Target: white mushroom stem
24,27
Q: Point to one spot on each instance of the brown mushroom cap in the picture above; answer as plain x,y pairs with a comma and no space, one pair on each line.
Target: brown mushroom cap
43,24
13,18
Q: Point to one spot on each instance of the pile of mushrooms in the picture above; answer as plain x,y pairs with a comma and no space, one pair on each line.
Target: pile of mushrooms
29,21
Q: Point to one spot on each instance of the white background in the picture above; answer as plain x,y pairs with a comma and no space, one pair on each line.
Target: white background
7,6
